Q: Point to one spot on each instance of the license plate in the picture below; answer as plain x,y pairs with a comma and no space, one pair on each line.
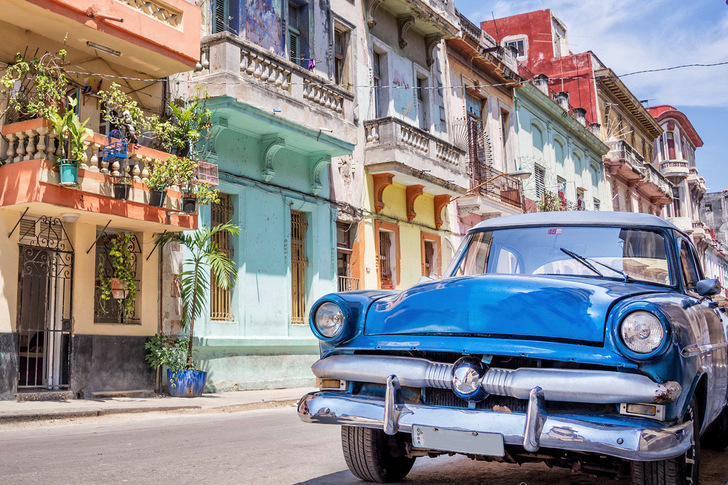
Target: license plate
489,444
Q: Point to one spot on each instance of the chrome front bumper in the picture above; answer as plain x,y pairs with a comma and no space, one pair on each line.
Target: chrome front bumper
532,430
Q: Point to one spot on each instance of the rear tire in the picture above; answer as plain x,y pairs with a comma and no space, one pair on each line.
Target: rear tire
375,456
680,470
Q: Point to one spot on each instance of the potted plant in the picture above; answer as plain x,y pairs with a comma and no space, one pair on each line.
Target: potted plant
162,175
171,353
72,134
183,174
122,186
121,284
184,127
204,258
34,88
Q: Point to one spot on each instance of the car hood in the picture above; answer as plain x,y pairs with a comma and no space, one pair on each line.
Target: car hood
535,307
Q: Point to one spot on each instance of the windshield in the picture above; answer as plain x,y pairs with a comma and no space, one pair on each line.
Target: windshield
608,252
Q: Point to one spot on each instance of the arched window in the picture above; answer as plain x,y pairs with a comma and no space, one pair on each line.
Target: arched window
537,137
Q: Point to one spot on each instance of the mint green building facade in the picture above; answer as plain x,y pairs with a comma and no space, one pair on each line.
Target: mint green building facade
276,128
562,154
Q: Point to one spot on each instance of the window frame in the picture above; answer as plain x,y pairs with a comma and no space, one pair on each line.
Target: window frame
381,226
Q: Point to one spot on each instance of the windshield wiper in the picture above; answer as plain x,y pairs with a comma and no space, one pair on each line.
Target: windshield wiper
582,260
585,261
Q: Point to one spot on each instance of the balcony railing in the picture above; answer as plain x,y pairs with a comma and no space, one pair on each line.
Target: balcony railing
347,283
676,169
654,176
33,145
400,132
35,140
263,67
623,150
504,188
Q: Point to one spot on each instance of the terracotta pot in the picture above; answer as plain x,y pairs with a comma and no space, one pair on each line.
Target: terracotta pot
118,291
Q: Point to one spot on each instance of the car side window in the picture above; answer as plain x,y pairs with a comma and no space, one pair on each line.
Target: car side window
687,266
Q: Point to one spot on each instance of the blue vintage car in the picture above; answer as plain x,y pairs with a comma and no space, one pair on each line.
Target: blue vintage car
576,338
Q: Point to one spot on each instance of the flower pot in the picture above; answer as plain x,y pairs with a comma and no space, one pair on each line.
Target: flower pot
121,191
156,197
118,291
186,383
189,204
69,172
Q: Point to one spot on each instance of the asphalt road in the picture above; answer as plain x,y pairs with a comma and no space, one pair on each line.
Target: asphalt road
250,447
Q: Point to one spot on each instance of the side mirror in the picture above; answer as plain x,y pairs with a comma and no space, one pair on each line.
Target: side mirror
708,287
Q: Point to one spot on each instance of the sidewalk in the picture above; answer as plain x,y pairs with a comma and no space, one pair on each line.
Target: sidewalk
15,411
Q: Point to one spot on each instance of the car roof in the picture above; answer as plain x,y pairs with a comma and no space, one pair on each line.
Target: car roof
590,218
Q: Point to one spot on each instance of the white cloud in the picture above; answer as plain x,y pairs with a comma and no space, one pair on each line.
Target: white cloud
633,35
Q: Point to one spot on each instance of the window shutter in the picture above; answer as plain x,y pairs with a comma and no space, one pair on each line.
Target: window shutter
293,45
220,20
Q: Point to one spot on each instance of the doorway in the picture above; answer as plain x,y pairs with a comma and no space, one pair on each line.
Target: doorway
45,298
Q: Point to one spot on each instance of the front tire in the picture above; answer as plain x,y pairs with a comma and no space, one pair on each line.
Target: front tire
716,437
375,456
680,470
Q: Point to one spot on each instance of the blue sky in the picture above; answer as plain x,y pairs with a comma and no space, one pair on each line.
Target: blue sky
633,35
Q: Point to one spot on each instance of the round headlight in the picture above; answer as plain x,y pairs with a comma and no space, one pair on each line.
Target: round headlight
329,319
467,375
642,332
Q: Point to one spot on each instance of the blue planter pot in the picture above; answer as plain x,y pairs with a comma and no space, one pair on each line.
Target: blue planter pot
69,173
186,383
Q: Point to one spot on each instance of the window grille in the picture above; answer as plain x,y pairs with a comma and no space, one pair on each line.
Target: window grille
220,299
299,264
111,311
343,257
385,260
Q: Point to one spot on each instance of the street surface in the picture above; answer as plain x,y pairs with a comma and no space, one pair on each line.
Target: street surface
270,446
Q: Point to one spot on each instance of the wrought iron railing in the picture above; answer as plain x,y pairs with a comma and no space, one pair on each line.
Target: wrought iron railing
504,188
623,150
347,283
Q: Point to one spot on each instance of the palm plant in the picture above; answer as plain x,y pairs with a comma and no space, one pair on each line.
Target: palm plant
204,259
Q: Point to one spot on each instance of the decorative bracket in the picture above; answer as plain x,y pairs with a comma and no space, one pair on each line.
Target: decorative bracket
440,202
411,193
404,23
381,182
431,41
371,22
18,223
103,233
317,166
270,144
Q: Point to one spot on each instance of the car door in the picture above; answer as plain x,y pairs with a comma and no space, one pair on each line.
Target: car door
709,331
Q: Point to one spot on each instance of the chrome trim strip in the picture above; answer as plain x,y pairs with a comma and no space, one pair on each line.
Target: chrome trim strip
570,385
630,442
695,349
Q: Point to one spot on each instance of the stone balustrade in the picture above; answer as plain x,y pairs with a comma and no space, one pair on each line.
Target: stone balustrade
36,140
675,169
403,133
258,66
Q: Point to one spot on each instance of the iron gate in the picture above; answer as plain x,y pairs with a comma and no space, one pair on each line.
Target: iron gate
45,298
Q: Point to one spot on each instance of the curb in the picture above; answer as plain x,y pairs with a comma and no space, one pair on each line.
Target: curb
97,412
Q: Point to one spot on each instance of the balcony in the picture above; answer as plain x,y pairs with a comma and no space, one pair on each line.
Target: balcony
156,37
28,180
693,178
501,196
699,233
237,68
622,151
414,156
675,170
484,51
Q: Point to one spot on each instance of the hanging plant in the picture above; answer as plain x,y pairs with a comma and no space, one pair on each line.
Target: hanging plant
121,284
35,87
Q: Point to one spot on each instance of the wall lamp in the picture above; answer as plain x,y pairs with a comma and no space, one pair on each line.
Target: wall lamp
103,48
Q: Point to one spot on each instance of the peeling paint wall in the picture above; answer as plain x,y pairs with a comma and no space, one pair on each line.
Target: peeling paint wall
264,24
